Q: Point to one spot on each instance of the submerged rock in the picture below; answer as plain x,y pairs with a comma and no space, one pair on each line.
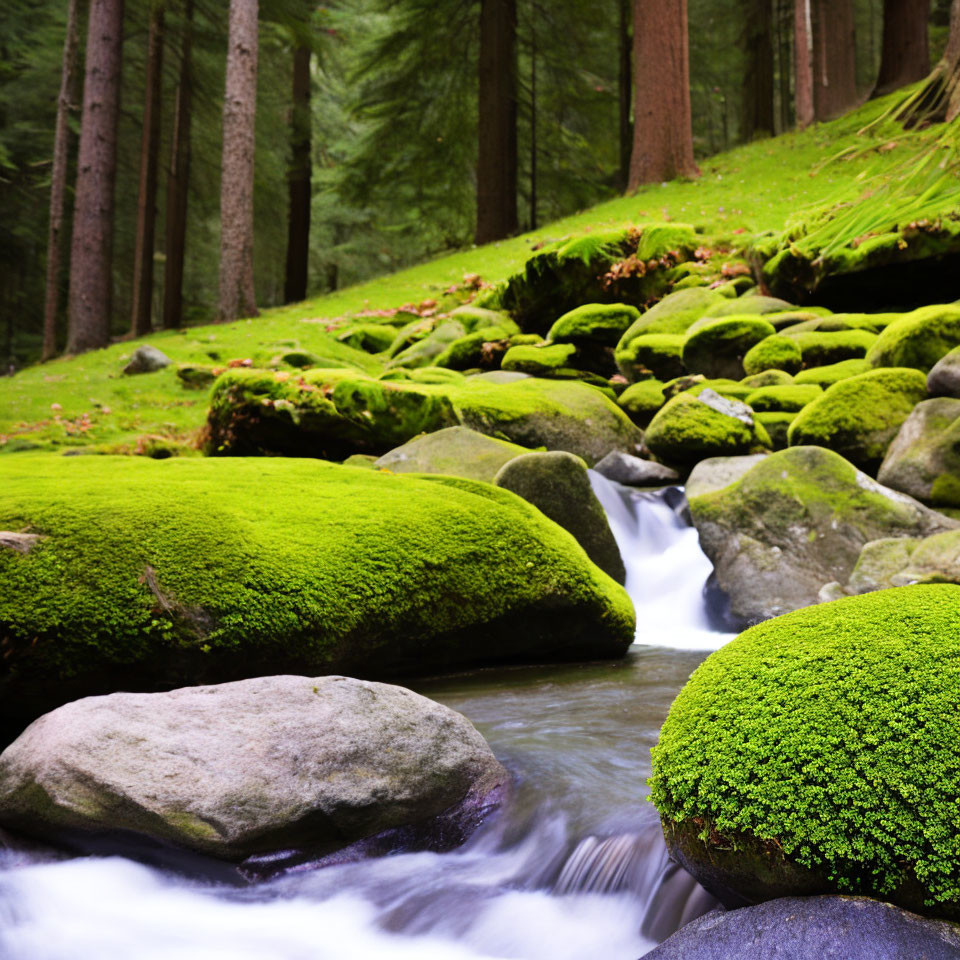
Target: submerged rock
797,520
253,768
557,484
808,928
187,570
147,359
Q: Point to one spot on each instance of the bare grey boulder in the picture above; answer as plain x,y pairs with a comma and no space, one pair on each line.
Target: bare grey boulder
905,561
250,768
813,928
715,473
944,379
558,485
634,471
795,521
147,359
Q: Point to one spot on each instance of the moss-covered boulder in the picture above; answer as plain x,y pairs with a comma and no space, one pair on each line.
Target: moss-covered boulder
594,323
420,342
642,400
333,413
944,377
482,349
558,485
818,349
924,457
795,521
657,355
369,337
138,574
767,378
918,339
833,373
718,347
674,314
818,753
773,353
906,561
785,399
777,424
544,360
691,428
859,417
197,376
453,451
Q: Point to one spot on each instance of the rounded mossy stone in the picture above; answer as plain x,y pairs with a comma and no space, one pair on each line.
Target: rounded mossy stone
773,353
788,399
642,400
598,323
833,372
718,347
871,322
819,752
483,348
688,429
819,349
420,343
733,389
476,318
859,417
918,339
143,574
656,354
558,485
767,378
539,361
673,314
777,424
751,303
370,337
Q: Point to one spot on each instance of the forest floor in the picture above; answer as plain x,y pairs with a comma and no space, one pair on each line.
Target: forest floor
86,401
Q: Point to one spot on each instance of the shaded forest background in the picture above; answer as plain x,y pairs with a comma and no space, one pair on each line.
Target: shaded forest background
393,129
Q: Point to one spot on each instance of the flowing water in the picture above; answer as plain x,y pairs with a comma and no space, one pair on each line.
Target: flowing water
573,867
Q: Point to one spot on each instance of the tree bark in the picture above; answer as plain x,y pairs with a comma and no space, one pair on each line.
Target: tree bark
533,123
834,58
939,98
66,102
497,147
298,224
662,126
236,178
784,20
758,107
625,93
905,54
178,181
149,161
803,61
91,251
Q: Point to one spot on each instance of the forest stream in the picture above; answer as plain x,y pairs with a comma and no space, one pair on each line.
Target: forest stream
574,866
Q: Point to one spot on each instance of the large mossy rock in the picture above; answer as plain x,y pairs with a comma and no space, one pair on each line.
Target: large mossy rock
594,323
786,399
658,355
811,928
558,485
859,417
252,768
716,348
832,373
674,314
142,574
335,413
824,348
795,521
691,428
453,451
904,561
924,457
918,339
775,352
818,753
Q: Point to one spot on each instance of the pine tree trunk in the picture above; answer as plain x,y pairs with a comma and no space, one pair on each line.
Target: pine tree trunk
662,126
758,109
803,61
298,231
905,56
149,162
784,21
951,64
69,89
533,127
834,58
236,177
91,250
939,98
497,103
625,93
178,180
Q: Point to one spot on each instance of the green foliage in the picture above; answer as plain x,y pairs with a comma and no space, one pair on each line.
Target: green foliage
830,733
773,353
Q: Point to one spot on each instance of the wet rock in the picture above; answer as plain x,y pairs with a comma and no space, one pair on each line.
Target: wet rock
634,471
253,767
807,928
559,486
147,359
944,379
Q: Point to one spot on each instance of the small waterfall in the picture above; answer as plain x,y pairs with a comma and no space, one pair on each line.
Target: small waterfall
666,569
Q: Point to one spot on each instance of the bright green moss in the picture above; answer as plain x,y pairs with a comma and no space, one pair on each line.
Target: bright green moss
830,736
642,400
539,361
859,417
819,349
833,372
871,322
717,347
189,571
420,343
673,314
654,354
776,424
370,337
726,388
767,378
918,339
773,353
687,430
665,239
602,323
473,350
784,399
